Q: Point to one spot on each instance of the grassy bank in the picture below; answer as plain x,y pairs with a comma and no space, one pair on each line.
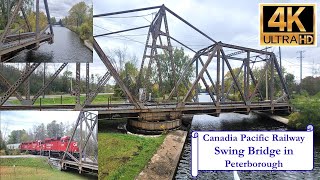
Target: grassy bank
31,168
307,111
123,156
100,99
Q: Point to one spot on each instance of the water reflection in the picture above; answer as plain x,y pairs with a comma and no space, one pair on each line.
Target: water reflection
67,47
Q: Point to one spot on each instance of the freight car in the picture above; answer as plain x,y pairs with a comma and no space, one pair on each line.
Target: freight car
54,147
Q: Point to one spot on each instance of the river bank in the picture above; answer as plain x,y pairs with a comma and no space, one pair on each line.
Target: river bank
163,164
121,155
86,42
67,48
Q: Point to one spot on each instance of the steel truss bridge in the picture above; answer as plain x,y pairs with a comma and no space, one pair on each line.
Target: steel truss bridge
86,128
162,115
13,41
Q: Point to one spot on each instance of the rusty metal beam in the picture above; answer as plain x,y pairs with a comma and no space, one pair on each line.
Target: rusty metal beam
200,74
244,48
13,16
262,75
20,81
77,87
155,22
186,22
48,15
27,84
232,74
95,92
278,68
127,11
210,93
173,68
186,69
26,19
45,86
116,32
87,80
232,84
114,74
8,85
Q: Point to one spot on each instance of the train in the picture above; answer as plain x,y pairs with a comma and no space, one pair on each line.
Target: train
54,147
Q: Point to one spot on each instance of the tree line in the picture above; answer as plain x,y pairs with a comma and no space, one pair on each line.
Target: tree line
61,85
7,7
42,131
80,20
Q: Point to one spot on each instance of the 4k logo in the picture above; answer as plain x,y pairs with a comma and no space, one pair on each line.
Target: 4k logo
288,24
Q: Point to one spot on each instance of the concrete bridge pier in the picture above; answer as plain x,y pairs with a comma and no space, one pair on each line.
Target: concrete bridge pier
155,122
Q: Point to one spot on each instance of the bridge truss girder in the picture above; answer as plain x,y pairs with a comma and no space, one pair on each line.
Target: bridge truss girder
24,81
217,51
6,35
90,122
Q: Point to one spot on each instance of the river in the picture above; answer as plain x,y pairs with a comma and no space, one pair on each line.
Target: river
234,121
67,47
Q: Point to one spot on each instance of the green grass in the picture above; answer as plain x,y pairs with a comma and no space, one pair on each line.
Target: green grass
29,162
100,99
31,168
123,156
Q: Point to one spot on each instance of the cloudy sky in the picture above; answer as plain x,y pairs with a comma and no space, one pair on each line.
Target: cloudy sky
18,120
60,8
233,22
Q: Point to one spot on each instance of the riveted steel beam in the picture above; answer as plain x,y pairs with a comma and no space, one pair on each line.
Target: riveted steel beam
17,84
105,78
45,86
77,87
224,57
215,49
11,19
4,81
114,74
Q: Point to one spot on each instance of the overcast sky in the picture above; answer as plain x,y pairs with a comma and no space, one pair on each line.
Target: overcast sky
18,120
233,22
60,8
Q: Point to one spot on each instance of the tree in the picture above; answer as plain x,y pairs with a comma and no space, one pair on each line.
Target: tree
290,82
311,85
53,20
128,76
39,132
78,13
6,8
54,129
179,59
2,142
18,136
42,20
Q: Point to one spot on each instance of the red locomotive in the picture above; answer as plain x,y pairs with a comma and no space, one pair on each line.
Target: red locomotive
50,146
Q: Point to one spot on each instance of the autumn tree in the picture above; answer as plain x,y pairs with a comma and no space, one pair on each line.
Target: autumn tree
39,131
180,59
18,136
7,7
55,130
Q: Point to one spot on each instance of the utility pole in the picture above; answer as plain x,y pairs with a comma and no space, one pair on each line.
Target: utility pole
44,78
300,57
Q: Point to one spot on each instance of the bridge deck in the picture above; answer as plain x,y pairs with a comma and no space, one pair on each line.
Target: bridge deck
189,108
16,43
